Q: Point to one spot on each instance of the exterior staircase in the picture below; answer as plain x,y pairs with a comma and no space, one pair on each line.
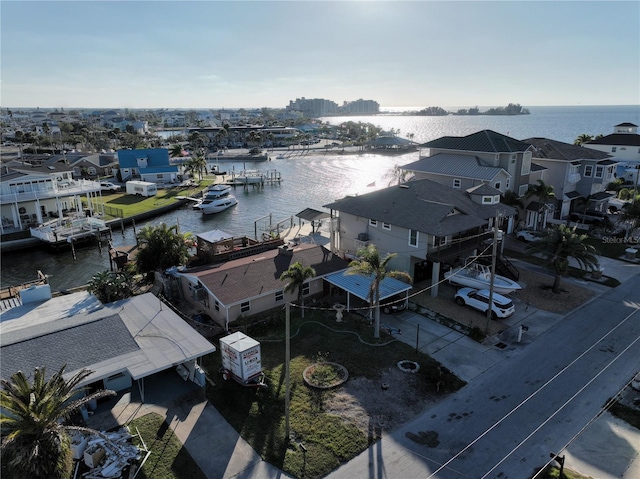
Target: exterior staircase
504,267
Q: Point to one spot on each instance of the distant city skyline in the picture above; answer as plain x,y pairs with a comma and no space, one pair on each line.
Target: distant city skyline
253,54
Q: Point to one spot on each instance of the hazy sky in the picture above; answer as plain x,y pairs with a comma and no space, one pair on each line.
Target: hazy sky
211,54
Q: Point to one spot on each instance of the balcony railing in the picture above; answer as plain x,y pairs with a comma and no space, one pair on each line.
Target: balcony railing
76,187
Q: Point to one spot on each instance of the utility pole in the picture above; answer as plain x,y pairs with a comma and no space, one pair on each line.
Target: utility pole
286,371
494,253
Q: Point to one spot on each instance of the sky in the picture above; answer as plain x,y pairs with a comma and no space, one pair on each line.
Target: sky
253,54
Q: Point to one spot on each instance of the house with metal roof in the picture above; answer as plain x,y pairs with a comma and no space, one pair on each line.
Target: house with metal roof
459,171
578,175
123,343
147,164
250,285
486,148
425,223
623,144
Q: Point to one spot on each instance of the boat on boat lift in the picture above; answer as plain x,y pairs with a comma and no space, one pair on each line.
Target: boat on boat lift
478,276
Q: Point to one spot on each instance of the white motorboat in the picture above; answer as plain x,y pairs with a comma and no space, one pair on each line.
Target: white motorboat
216,205
217,191
213,193
478,276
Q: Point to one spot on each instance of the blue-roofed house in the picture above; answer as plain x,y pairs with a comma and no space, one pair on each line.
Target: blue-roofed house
149,164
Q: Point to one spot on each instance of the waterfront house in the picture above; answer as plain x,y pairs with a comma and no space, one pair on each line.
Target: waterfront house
125,343
424,222
482,157
579,176
148,164
623,144
251,285
37,189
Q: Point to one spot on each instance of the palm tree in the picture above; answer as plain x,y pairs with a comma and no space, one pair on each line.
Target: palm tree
109,286
197,164
35,441
582,139
370,264
562,243
176,151
398,175
297,275
162,247
544,193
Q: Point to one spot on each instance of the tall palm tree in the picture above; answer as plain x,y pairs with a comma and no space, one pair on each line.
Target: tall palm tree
35,440
369,263
162,247
544,193
296,276
560,244
197,164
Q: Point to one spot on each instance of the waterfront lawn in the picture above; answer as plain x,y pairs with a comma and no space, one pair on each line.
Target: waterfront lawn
131,205
169,459
330,439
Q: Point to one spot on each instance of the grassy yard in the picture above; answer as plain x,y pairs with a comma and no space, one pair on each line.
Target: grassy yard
168,459
330,439
131,205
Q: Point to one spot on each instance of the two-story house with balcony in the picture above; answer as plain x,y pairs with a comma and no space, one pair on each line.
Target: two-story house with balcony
424,222
147,164
33,191
483,157
578,175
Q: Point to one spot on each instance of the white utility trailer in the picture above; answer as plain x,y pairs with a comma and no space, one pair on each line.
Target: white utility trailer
141,188
241,360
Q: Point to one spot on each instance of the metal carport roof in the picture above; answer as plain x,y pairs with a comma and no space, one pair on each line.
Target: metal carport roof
310,214
359,285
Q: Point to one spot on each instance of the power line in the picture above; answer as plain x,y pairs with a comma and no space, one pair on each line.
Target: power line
532,395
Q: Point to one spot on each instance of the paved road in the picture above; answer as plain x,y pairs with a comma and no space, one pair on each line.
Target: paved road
506,422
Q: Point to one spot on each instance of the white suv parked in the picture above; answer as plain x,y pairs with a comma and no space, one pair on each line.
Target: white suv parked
479,299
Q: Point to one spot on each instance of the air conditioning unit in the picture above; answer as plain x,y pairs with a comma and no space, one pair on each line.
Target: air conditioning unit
363,237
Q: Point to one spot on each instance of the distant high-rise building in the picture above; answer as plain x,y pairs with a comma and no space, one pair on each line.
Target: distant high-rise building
361,106
313,107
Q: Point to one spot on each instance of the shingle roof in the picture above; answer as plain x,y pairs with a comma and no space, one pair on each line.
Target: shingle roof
544,148
137,335
618,139
485,141
483,189
460,166
422,205
246,278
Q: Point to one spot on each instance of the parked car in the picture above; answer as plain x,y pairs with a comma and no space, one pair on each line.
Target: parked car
108,186
589,217
479,299
394,304
530,236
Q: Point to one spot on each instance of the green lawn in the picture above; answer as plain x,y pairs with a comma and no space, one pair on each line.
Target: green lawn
131,205
259,415
168,459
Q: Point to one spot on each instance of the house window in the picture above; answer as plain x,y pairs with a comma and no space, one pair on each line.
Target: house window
457,183
487,199
386,226
159,177
507,183
588,170
439,240
279,295
244,307
497,185
91,171
522,190
305,289
526,163
599,170
373,223
613,149
413,238
216,305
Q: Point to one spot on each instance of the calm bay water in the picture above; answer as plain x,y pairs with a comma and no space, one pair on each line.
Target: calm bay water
313,179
